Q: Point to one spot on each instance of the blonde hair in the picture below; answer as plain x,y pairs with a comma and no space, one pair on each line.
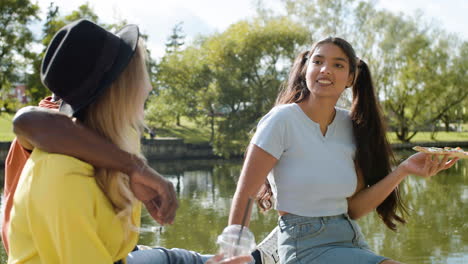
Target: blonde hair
117,115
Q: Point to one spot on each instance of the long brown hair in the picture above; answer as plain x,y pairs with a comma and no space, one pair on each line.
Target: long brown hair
374,156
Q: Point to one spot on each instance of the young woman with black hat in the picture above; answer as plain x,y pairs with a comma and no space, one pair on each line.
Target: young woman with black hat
64,209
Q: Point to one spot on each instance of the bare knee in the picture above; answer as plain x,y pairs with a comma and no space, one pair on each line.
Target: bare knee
389,261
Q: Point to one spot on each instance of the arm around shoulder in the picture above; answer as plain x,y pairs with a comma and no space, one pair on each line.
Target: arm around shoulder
37,126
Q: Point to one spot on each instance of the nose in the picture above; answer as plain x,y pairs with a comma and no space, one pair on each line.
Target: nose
325,69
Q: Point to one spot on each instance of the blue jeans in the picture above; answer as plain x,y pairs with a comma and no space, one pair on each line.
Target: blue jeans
323,240
166,256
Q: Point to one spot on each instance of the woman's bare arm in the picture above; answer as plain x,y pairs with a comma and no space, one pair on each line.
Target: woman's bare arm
365,200
258,163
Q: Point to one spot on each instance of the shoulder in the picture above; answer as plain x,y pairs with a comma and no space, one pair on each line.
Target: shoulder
61,163
58,181
280,113
343,114
61,171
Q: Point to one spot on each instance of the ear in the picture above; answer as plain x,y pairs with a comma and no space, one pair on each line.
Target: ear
349,83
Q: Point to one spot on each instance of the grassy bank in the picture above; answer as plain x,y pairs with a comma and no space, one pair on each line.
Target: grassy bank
426,137
6,128
189,131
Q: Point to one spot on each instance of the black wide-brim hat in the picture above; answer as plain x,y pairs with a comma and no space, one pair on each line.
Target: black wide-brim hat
83,59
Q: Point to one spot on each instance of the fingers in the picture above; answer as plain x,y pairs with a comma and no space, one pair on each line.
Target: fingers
436,164
215,259
168,204
450,163
427,163
153,208
442,163
237,260
234,260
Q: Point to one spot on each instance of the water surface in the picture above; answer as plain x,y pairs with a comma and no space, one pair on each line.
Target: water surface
436,232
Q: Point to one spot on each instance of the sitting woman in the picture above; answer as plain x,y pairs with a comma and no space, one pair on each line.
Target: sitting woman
64,209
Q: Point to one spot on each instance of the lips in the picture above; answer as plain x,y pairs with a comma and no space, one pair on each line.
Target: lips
324,81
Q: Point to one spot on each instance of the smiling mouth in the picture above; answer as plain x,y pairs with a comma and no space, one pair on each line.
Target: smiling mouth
323,81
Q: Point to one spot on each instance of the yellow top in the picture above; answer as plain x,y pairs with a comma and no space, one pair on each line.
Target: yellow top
60,215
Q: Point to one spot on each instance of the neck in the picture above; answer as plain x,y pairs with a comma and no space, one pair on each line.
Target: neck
319,111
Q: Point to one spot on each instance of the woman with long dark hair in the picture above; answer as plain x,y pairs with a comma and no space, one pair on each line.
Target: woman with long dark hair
326,166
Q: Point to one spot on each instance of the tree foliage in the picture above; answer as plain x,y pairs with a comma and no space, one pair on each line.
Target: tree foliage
418,69
16,40
230,79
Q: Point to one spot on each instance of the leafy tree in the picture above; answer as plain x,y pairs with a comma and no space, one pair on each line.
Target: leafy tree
415,65
15,42
180,75
249,62
230,79
421,77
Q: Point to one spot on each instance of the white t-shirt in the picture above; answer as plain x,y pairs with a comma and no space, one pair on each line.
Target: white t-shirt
314,174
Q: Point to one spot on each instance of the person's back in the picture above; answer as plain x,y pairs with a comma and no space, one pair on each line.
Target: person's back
14,163
60,215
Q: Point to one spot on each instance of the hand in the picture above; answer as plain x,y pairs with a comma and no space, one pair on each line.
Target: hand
426,165
156,193
218,259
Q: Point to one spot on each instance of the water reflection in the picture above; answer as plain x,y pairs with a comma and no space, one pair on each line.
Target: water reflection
436,232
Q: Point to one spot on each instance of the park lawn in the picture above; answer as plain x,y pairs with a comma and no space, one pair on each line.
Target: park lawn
426,137
189,131
6,127
191,134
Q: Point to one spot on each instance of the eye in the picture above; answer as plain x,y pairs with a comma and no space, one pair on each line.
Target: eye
316,62
339,65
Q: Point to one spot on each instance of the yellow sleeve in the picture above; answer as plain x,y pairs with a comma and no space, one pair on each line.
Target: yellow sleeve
66,228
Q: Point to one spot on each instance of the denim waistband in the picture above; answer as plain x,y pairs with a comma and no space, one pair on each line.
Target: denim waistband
291,219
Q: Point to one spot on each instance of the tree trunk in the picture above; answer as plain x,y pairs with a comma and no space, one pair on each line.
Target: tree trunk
212,127
447,125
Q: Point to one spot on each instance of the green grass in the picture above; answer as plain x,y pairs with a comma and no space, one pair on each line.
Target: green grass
426,137
187,130
6,127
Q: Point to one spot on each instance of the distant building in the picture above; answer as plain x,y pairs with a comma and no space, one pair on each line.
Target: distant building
18,91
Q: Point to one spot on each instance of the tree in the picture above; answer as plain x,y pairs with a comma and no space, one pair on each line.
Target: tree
229,80
35,88
15,41
176,40
173,45
421,79
249,61
415,65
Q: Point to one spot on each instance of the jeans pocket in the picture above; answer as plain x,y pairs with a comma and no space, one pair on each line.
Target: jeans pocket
309,229
359,236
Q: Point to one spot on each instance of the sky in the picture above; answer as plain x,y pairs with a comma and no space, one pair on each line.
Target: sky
156,18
